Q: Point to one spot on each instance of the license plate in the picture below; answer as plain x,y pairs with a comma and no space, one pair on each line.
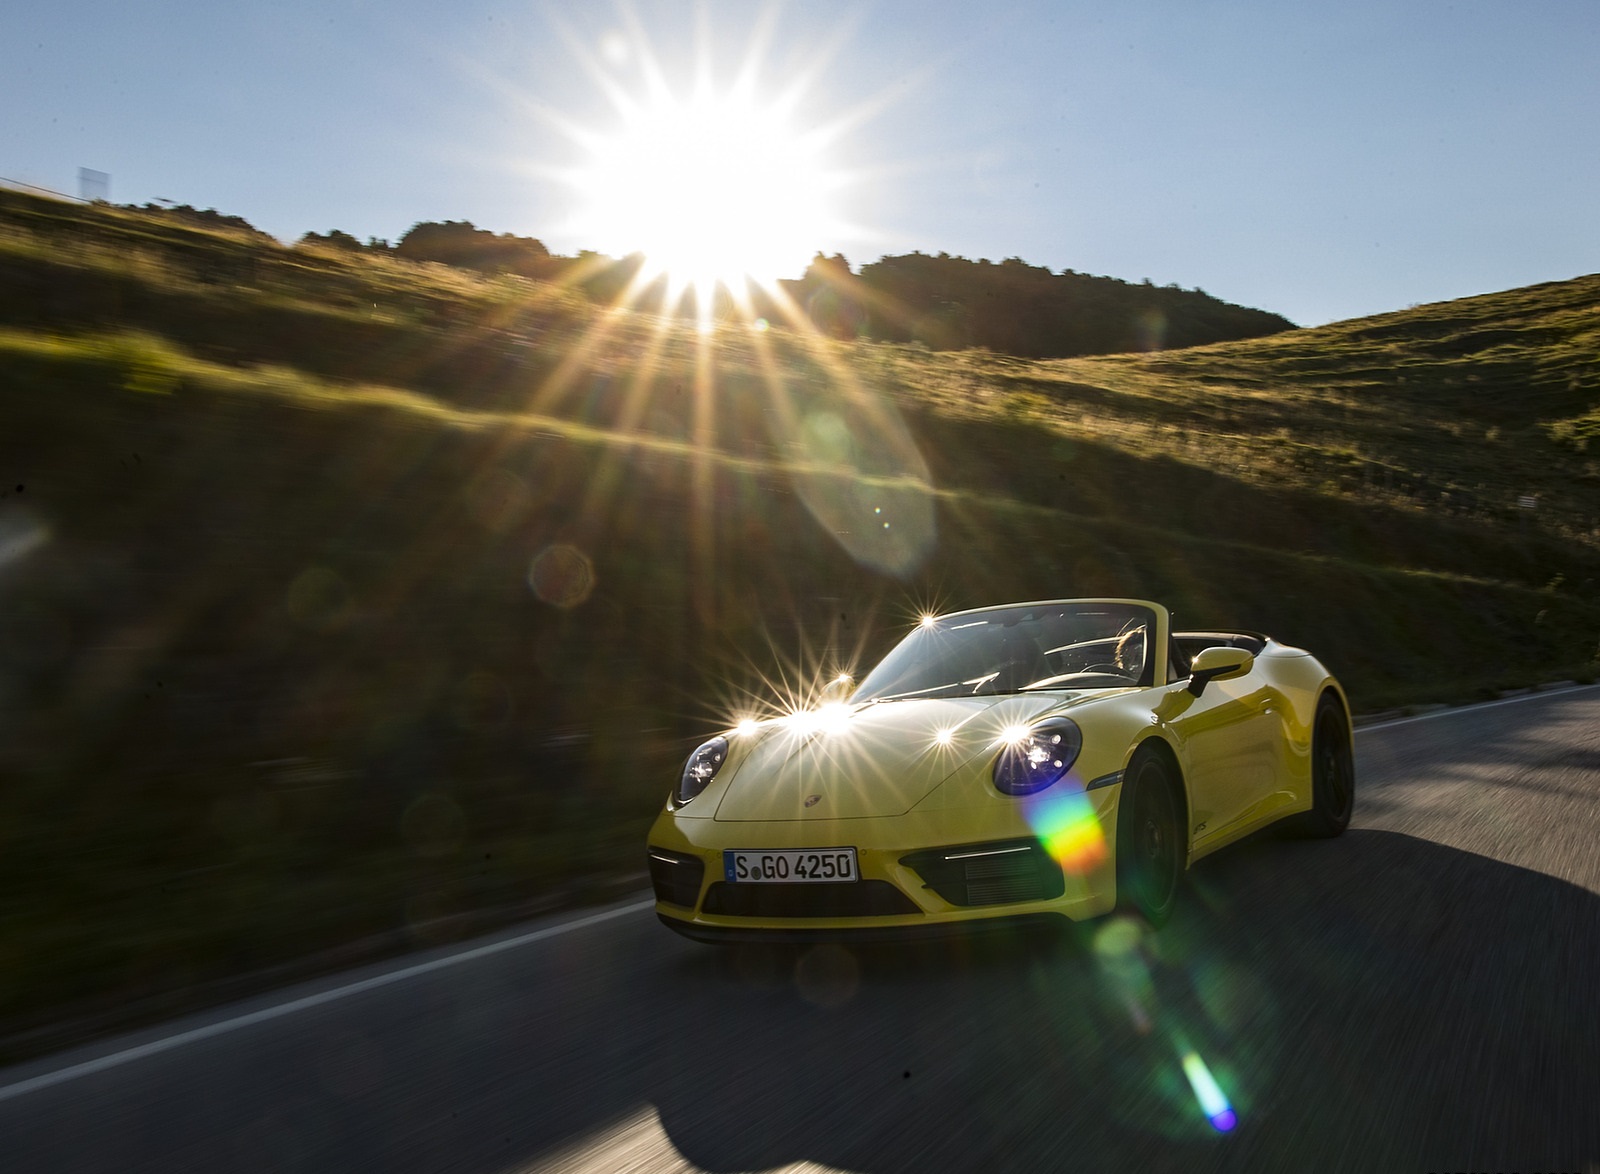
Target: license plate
807,866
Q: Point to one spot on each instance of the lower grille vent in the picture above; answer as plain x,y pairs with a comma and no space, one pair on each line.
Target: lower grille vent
1001,873
868,898
676,877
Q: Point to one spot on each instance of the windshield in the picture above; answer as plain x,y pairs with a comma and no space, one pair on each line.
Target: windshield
1074,645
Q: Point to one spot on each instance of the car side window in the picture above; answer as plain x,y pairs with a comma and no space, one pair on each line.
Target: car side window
1177,662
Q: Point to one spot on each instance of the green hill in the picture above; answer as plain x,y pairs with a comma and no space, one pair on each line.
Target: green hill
349,599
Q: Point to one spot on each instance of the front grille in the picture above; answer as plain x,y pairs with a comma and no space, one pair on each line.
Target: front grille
868,898
1000,873
676,877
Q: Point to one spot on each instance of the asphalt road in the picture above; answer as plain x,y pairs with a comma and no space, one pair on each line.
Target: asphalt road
1420,995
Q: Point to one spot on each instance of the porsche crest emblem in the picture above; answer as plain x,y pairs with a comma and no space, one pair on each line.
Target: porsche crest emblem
813,800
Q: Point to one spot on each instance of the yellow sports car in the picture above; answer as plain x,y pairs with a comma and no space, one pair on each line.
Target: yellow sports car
1036,760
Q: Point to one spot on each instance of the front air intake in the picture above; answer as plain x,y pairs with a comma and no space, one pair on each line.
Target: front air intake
1004,872
868,898
676,877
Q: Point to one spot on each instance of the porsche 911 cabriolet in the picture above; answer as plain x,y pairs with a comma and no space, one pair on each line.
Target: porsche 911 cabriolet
1025,762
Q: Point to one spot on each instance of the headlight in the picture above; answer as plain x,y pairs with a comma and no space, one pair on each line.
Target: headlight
701,768
1038,757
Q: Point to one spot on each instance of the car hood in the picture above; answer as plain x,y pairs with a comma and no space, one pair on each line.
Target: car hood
875,760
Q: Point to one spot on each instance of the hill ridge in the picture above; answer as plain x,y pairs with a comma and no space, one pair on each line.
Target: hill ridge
425,623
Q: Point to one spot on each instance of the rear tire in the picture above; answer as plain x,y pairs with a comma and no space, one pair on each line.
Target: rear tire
1333,773
1151,847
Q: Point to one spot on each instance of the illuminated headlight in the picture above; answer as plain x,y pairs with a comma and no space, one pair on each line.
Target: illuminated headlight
1033,759
701,768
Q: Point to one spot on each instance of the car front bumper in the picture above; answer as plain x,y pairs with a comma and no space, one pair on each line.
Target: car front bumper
919,873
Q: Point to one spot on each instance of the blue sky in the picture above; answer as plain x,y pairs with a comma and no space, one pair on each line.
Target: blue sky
1320,161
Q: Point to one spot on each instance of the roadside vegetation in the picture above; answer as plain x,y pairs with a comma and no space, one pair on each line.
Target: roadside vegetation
349,599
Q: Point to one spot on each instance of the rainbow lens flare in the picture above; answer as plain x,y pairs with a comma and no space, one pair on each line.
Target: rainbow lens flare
1212,1101
1070,831
1117,947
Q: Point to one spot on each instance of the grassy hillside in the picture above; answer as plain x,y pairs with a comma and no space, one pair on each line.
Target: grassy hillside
347,599
951,303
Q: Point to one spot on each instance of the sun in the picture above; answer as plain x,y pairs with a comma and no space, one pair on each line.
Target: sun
713,188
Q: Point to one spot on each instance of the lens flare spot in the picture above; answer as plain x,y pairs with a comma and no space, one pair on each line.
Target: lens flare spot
1153,330
1067,825
943,737
747,727
858,468
1011,735
1118,950
833,718
1119,936
562,576
1213,1102
928,620
614,48
827,439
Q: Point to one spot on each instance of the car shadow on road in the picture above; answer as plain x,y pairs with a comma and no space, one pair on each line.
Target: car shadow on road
1378,1002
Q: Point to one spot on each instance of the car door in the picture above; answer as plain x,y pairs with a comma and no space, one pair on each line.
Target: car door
1228,739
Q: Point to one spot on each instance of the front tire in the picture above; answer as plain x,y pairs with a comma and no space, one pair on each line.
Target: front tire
1333,773
1150,843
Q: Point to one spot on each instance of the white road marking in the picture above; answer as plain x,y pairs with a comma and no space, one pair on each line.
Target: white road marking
636,1143
1456,709
167,1043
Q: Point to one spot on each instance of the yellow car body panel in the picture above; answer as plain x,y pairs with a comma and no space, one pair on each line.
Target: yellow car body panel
913,777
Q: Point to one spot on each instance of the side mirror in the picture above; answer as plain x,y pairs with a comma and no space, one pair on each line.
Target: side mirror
1218,664
838,689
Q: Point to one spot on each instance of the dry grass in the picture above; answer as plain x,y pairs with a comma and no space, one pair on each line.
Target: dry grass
277,675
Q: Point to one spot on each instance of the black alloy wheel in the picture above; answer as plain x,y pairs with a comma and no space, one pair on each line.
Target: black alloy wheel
1150,841
1333,772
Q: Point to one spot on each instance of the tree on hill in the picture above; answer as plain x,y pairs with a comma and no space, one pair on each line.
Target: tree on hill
607,281
828,294
203,218
334,239
943,302
460,243
1015,308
